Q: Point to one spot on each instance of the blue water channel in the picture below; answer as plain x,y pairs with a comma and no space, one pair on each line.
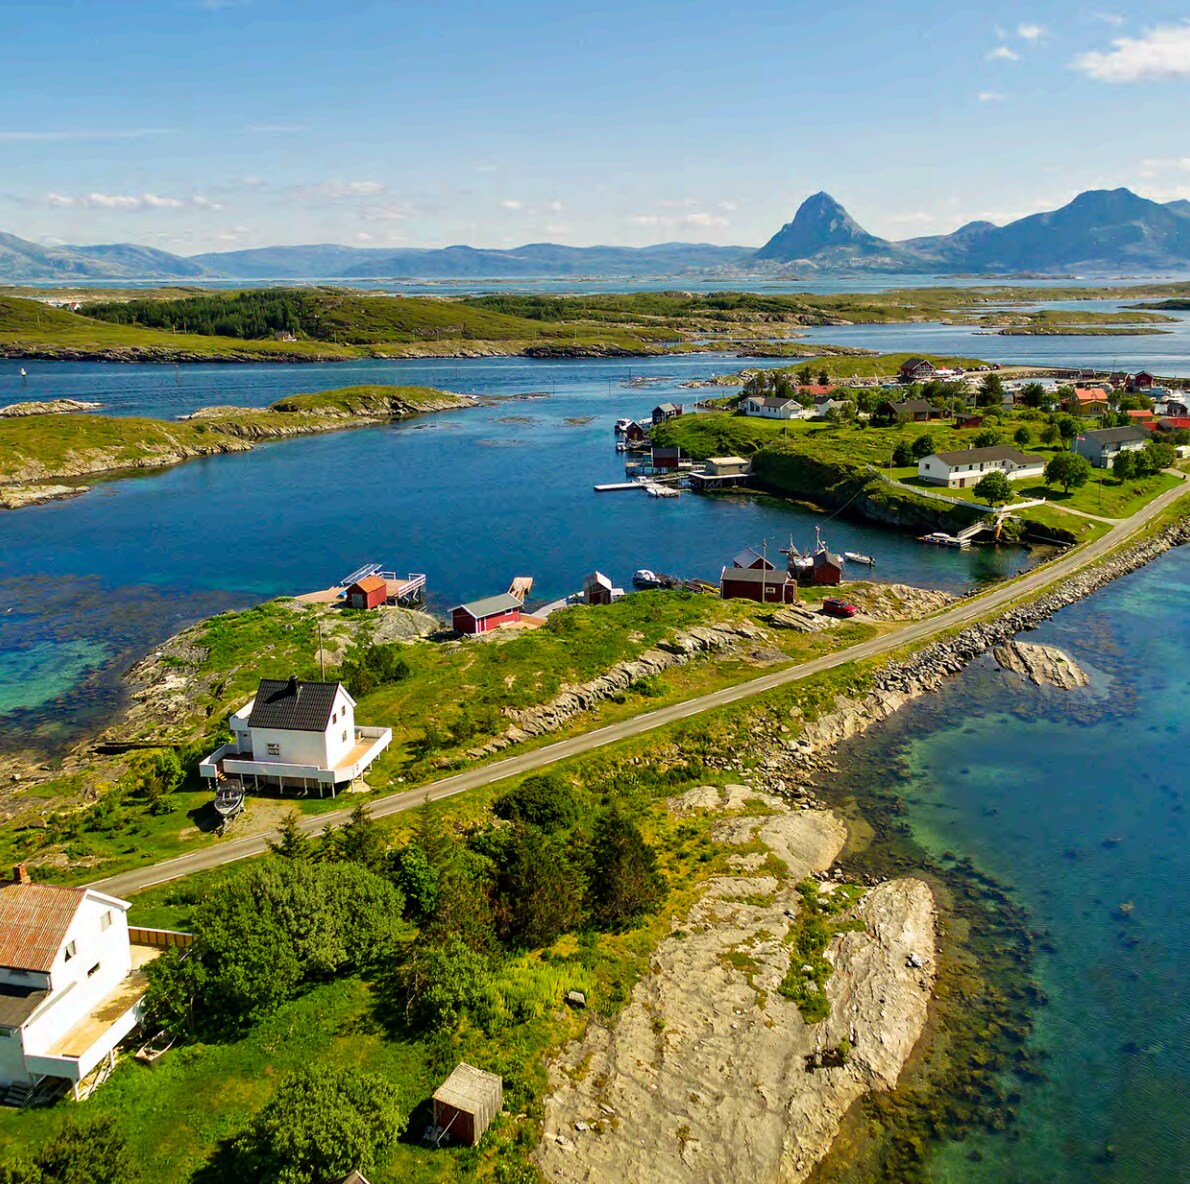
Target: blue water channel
1077,802
471,498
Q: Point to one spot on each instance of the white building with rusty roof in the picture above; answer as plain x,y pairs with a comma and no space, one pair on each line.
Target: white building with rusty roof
71,987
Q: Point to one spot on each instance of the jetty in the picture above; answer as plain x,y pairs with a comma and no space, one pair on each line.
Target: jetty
399,590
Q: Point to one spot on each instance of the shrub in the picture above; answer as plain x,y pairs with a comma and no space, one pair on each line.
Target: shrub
545,800
624,882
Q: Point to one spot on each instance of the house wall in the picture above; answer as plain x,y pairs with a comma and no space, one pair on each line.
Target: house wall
325,750
936,472
775,593
75,990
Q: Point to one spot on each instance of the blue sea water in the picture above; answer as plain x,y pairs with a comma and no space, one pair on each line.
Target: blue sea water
471,498
1077,801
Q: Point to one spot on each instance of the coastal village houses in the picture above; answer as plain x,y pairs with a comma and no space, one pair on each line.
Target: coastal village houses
958,470
917,370
1092,400
771,407
482,616
296,735
665,411
71,984
1102,447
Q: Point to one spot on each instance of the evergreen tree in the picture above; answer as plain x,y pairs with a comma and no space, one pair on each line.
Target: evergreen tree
625,882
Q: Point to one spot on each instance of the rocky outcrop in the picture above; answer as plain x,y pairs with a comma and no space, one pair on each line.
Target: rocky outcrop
15,497
710,1074
47,407
1042,665
801,619
677,651
898,602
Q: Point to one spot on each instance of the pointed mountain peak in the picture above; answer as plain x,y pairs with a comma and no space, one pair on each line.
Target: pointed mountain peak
820,224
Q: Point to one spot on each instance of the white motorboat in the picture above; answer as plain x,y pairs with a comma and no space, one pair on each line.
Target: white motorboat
857,557
645,578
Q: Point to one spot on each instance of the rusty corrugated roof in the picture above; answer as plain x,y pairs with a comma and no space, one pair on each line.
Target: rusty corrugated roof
34,919
370,584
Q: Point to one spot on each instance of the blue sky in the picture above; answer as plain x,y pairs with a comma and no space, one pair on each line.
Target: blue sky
215,124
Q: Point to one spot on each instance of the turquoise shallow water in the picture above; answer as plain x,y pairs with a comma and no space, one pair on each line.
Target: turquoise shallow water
1077,802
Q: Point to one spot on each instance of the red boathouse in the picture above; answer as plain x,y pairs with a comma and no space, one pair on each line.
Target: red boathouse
757,583
482,616
370,592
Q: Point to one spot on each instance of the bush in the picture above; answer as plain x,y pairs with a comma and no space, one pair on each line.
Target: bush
376,666
624,880
87,1151
540,891
322,1124
439,983
545,800
923,446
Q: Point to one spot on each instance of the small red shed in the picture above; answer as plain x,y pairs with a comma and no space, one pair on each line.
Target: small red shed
757,583
370,592
666,458
828,568
482,616
465,1104
968,421
597,588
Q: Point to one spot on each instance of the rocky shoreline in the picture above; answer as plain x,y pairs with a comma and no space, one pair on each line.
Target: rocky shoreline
710,1073
224,430
795,760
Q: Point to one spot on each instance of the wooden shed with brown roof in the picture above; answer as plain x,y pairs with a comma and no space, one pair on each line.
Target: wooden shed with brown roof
370,592
465,1104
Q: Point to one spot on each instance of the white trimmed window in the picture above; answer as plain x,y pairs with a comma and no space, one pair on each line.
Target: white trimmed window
71,950
273,749
105,922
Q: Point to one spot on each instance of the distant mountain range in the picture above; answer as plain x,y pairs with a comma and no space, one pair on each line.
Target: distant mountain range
1101,231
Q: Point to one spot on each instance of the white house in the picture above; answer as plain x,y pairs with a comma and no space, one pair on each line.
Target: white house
774,408
71,987
296,733
957,470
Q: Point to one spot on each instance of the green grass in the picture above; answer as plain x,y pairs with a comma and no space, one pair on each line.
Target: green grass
40,447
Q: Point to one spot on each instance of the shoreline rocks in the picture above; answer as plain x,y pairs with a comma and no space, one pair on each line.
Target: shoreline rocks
47,407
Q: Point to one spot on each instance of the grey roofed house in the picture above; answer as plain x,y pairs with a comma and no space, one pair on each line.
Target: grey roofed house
750,557
1103,446
997,452
774,401
293,706
504,603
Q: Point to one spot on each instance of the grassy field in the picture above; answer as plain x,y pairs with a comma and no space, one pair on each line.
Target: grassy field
452,701
37,447
179,1113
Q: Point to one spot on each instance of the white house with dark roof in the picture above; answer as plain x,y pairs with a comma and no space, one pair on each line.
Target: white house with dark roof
773,407
71,987
957,470
296,734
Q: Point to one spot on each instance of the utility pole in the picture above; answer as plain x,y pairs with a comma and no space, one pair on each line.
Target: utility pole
321,653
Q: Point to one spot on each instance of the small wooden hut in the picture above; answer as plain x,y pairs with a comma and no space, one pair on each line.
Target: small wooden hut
465,1104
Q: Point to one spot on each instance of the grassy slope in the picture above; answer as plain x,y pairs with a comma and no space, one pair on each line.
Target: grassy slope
57,442
456,691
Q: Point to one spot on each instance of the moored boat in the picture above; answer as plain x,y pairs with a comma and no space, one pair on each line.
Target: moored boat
645,578
858,557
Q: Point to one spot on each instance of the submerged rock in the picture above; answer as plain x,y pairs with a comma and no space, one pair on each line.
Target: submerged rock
1042,665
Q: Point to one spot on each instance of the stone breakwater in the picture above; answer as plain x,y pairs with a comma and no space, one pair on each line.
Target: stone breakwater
795,757
677,651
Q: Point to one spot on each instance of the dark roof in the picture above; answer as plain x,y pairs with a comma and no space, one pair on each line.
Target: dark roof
748,557
1117,435
666,451
34,919
773,401
490,606
913,405
914,363
821,557
969,456
753,575
293,706
667,407
17,1004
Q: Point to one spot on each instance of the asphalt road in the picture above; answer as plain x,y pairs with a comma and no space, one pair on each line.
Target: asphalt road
963,613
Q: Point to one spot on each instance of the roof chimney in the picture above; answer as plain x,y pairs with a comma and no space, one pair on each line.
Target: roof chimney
20,874
293,684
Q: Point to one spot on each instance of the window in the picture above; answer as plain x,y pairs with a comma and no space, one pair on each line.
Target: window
105,922
93,971
344,735
71,950
273,749
335,718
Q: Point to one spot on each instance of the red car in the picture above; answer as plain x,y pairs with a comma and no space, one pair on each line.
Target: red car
837,607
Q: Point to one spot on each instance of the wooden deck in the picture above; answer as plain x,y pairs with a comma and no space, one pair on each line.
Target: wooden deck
109,1009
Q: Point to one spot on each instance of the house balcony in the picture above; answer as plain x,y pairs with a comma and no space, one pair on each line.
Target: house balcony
232,761
76,1054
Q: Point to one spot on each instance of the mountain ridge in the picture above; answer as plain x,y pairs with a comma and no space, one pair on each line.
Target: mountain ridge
1099,231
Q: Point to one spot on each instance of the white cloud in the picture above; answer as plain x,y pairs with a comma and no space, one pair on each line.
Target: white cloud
555,207
1154,168
512,205
131,201
385,212
729,206
1161,53
343,190
363,237
1003,54
1109,18
559,229
696,220
1027,32
991,96
134,133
